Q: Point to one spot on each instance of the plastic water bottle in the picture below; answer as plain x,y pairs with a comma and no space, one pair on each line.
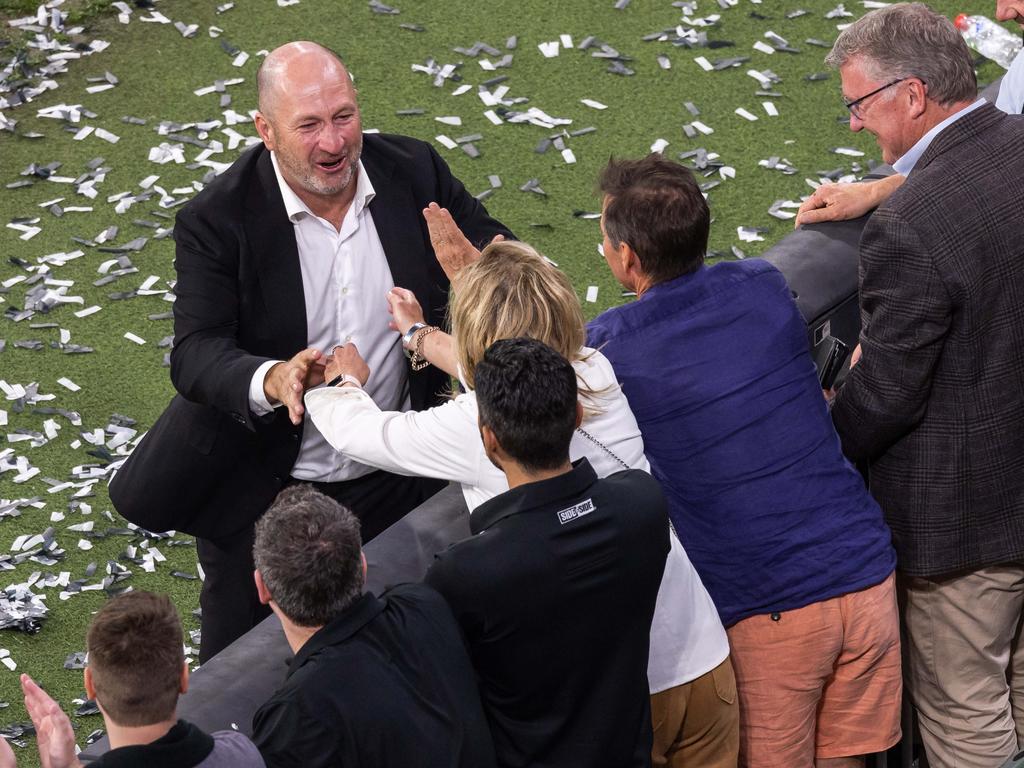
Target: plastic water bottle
991,40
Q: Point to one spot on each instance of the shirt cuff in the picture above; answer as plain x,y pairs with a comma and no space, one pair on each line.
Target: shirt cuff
258,402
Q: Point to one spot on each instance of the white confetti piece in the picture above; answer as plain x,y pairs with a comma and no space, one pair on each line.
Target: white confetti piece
88,311
706,130
770,109
593,104
491,115
763,47
449,120
704,63
99,88
592,294
568,156
745,114
8,662
240,59
84,544
133,338
659,146
566,41
445,142
106,135
462,89
67,383
550,50
82,132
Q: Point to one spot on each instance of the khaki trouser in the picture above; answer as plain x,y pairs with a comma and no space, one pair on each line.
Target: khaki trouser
696,725
965,664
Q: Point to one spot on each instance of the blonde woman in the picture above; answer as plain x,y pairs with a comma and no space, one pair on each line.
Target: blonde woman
513,291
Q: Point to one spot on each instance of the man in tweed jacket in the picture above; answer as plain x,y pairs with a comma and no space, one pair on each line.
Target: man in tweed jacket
936,404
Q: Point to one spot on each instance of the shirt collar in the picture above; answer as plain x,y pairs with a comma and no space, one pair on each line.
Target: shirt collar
906,164
352,619
298,210
183,744
524,498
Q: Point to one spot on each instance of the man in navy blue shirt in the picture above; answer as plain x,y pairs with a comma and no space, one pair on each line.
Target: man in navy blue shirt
795,553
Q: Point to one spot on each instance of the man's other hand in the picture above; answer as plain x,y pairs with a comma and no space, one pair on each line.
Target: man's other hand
840,202
285,383
346,359
54,735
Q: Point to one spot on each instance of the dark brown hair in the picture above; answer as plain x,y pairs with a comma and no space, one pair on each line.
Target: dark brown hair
136,657
655,206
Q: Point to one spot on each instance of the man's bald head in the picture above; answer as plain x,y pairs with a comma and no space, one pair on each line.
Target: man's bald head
294,62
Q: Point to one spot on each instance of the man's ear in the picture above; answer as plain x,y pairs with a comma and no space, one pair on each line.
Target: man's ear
183,683
491,445
629,260
261,588
264,129
579,413
90,688
918,96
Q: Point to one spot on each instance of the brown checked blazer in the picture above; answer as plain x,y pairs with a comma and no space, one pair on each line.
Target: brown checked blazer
936,405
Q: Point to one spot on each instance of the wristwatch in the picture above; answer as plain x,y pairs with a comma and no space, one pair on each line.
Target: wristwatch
409,336
345,378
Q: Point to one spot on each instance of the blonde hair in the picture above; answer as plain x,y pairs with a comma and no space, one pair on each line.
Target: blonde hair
513,291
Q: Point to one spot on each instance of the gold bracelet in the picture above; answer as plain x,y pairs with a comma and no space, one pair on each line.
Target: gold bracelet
418,361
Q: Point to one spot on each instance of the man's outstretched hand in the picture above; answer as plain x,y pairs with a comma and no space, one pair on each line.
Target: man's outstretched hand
54,735
286,382
452,248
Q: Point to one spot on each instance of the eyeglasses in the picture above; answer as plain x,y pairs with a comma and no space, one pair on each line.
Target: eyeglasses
853,106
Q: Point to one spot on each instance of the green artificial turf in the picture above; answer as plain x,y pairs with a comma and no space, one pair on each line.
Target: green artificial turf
158,70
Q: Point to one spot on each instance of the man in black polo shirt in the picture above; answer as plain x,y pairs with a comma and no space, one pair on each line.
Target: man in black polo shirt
375,681
556,589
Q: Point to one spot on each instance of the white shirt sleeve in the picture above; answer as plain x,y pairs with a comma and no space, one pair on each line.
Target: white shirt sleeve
258,402
440,442
1011,90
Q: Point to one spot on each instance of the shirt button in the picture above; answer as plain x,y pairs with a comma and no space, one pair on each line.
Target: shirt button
344,290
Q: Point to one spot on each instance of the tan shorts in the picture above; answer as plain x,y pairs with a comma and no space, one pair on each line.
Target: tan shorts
822,681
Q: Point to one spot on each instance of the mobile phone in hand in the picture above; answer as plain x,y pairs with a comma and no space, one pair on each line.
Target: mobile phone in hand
833,364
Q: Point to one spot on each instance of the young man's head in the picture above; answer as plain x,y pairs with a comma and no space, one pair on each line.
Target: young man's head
528,409
655,221
136,659
308,557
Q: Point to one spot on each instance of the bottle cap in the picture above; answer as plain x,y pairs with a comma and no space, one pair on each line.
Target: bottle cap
961,22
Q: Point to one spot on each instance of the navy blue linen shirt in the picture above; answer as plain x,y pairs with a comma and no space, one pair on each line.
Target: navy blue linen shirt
716,368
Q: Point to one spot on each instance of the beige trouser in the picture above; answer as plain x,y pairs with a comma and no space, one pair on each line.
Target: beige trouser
697,724
965,664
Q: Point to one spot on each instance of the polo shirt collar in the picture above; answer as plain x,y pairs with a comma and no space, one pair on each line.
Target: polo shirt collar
355,617
182,746
531,496
298,210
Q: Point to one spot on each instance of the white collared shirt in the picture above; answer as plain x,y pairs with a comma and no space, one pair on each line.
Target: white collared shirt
345,281
906,163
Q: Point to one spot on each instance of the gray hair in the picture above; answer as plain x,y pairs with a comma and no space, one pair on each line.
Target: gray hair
910,40
307,550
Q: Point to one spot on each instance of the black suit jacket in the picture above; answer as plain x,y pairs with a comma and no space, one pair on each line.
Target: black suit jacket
936,404
209,466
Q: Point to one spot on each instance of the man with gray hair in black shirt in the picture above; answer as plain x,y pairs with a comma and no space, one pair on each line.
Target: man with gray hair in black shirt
375,681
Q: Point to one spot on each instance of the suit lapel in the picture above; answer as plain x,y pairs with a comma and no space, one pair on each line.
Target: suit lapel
272,242
397,218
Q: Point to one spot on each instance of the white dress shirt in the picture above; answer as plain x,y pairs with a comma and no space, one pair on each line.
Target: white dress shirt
687,637
345,281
